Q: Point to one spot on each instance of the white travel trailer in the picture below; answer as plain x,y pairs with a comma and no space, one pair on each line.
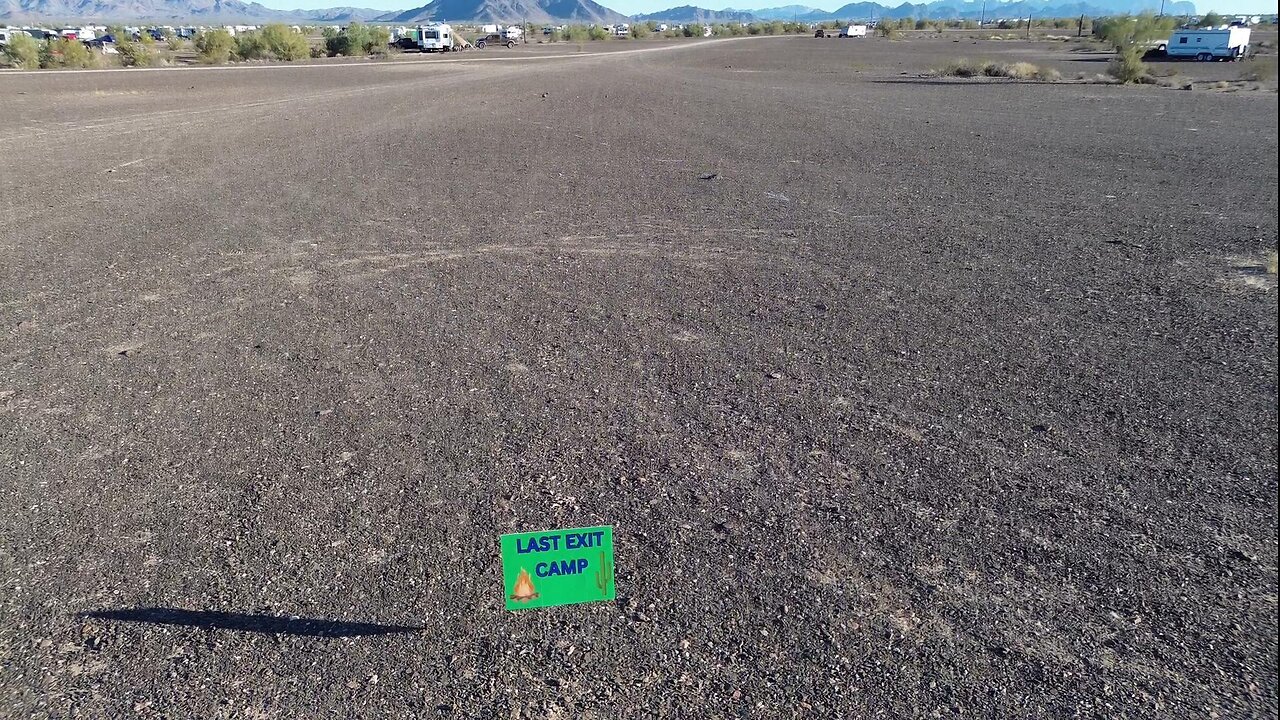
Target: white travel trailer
852,31
436,37
1205,44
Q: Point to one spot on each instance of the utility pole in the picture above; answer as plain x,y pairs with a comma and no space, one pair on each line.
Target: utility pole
982,19
1161,8
1080,27
1028,24
524,30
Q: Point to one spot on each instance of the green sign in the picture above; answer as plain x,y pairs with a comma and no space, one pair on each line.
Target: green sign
557,567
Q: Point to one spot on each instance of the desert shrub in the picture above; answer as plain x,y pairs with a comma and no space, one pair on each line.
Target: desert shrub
1211,19
752,29
65,53
1127,34
284,42
357,39
640,31
574,33
1257,71
138,53
250,46
378,39
176,44
1125,30
795,28
1016,71
887,29
962,68
595,32
922,24
214,46
22,52
554,36
1127,65
1273,264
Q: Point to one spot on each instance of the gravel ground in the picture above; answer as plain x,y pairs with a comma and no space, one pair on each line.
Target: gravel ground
905,398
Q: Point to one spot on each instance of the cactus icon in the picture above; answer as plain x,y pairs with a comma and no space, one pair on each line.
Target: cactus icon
604,576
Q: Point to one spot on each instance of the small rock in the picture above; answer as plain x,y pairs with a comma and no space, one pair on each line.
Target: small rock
709,176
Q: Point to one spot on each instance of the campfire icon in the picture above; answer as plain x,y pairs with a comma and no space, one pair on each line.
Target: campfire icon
524,590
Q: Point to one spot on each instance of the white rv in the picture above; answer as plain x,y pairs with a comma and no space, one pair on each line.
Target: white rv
851,31
437,37
1205,44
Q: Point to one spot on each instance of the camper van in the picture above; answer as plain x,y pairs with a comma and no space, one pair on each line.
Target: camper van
437,37
1205,44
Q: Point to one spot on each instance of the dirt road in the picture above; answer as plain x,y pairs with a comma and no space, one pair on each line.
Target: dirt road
905,398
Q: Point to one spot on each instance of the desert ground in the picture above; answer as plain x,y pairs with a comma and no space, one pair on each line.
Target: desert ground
905,396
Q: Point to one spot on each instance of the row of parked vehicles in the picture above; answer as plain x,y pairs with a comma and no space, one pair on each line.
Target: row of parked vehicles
441,37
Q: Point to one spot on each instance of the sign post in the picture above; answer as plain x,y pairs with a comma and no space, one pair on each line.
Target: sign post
557,567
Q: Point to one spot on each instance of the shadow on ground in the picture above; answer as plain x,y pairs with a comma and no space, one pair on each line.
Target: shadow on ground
247,622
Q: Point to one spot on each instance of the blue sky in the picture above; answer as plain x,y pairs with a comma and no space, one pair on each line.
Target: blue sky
634,7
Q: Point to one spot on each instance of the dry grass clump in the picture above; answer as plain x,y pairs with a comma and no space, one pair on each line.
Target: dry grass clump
1016,71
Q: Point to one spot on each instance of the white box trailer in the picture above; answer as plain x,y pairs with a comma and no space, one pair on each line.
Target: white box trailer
852,31
437,37
1205,44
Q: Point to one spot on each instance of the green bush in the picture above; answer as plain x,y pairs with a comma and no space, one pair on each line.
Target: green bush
1128,34
22,52
357,39
575,33
176,44
1127,66
214,46
284,43
250,46
595,32
1211,19
640,31
138,53
1125,30
379,38
65,53
554,36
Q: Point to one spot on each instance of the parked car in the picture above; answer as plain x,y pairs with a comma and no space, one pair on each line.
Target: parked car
496,38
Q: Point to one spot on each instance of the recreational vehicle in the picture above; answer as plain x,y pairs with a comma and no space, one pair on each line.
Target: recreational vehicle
1205,44
437,37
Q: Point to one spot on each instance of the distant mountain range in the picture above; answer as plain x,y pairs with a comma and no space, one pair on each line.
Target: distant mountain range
534,11
690,14
195,11
545,11
937,10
